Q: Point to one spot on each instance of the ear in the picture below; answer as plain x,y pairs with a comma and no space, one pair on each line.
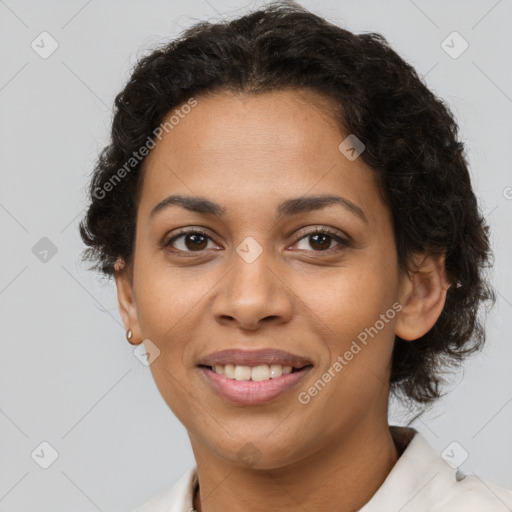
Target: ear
422,295
126,301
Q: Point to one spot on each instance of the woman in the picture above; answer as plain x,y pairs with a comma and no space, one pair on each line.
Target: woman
289,219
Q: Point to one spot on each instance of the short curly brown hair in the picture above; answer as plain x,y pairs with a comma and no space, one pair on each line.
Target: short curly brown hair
410,137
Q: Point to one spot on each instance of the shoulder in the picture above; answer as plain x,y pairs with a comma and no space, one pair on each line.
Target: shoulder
423,481
476,494
176,498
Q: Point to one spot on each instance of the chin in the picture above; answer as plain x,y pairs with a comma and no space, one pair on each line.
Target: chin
263,454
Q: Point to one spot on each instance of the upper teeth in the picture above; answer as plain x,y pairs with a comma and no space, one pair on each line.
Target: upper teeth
262,372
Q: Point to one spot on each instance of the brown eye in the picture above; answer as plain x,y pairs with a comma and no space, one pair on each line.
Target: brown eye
190,241
320,240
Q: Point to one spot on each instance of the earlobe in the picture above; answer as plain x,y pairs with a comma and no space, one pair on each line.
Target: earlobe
126,302
423,295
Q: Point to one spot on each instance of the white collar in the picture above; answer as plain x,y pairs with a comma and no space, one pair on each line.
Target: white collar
420,481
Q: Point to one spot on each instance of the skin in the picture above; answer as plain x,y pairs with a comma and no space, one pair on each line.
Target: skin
248,153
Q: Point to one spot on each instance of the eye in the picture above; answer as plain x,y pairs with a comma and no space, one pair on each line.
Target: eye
321,239
192,241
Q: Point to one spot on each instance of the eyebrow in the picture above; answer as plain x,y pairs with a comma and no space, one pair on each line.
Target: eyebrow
289,207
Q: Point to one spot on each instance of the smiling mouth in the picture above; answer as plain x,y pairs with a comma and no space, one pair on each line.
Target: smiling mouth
259,373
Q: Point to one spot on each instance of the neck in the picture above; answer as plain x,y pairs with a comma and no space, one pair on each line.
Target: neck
343,476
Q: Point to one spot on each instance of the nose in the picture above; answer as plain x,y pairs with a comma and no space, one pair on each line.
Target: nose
252,294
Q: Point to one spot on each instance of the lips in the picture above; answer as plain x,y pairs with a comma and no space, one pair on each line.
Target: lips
255,391
257,357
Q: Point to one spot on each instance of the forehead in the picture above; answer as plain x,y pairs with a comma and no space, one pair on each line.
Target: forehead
243,148
246,124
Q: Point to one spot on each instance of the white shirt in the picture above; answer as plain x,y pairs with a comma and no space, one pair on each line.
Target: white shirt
420,481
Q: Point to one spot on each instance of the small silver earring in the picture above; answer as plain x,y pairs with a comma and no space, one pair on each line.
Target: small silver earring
129,334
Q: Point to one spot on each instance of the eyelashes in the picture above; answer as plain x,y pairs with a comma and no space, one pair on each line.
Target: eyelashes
324,232
199,237
183,234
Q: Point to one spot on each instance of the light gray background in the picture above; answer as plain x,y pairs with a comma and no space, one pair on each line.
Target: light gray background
67,374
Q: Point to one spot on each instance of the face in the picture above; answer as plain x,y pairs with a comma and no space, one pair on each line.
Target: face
257,276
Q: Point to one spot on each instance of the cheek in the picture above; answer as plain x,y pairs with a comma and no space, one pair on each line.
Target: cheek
355,307
166,296
349,299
